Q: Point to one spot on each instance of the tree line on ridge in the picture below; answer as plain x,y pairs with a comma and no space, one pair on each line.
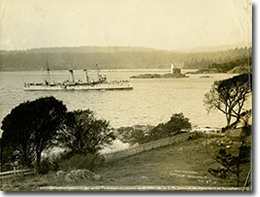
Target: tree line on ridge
65,58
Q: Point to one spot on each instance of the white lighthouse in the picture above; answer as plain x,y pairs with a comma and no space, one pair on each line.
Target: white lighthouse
175,70
172,67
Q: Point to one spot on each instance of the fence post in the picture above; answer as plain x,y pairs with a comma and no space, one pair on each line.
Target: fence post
15,164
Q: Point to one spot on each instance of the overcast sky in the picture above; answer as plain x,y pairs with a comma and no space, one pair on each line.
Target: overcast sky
160,24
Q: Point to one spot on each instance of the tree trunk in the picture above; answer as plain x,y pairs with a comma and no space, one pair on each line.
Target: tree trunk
228,120
38,161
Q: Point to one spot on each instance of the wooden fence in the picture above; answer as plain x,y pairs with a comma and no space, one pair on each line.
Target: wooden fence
14,173
148,146
115,155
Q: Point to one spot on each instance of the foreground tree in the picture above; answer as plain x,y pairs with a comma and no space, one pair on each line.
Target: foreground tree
86,134
229,96
232,162
32,127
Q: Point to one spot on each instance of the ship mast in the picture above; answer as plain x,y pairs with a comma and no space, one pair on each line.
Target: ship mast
48,71
97,71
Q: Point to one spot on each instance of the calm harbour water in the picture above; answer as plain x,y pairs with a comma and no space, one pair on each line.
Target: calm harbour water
152,101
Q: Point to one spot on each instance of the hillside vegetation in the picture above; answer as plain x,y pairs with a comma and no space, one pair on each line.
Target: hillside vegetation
182,164
64,58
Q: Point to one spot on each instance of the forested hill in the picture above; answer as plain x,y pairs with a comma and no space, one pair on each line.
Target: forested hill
64,58
90,49
225,60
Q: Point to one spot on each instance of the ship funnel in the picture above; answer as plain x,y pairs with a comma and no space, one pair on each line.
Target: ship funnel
86,79
72,76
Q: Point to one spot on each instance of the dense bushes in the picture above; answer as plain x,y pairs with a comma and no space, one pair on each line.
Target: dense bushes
67,161
48,124
178,123
89,161
86,133
143,134
31,128
37,126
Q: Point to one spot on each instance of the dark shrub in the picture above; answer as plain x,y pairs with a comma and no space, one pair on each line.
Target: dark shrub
79,161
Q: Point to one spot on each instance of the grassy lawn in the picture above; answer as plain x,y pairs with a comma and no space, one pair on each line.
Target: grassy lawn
182,164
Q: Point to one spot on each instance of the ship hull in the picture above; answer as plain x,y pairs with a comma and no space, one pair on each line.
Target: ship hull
71,88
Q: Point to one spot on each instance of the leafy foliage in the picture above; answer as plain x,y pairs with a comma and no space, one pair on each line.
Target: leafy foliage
66,161
231,163
79,161
176,125
228,96
35,126
85,133
134,134
32,127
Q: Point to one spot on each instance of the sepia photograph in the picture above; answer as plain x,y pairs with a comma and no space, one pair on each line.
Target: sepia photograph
126,95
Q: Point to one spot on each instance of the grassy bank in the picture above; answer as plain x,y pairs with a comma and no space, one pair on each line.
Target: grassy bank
181,164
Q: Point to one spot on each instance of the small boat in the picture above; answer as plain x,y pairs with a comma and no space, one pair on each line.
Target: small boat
101,84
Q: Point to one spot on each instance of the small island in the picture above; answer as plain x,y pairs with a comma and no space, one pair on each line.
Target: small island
175,73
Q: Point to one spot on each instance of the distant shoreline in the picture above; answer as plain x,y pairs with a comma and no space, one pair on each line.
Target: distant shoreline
151,76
